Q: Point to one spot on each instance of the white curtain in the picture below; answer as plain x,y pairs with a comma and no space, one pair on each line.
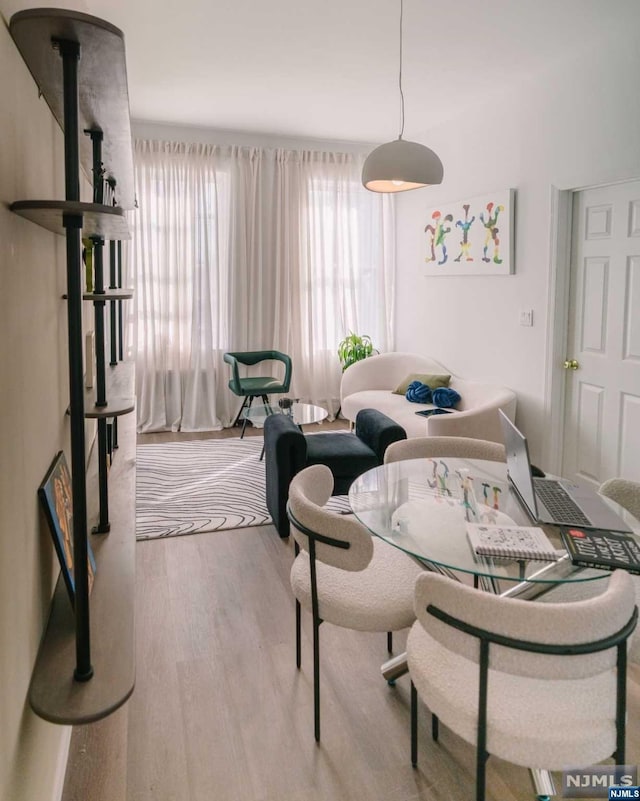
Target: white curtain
238,248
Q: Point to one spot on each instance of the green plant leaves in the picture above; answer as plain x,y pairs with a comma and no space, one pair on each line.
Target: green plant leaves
353,348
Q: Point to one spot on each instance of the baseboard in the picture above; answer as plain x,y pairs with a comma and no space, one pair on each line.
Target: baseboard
61,766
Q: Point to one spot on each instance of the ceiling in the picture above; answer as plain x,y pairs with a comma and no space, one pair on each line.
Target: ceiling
329,70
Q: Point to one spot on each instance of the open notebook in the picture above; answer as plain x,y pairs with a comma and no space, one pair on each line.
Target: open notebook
511,542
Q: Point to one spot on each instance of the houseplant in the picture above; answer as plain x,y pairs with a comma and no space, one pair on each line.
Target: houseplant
353,348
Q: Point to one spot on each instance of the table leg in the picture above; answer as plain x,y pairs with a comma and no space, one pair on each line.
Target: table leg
542,782
525,590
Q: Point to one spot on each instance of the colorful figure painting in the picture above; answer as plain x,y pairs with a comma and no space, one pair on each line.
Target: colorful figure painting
465,225
492,230
437,237
56,498
478,233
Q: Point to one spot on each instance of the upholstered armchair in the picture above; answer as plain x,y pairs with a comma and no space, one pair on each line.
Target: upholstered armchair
346,454
248,387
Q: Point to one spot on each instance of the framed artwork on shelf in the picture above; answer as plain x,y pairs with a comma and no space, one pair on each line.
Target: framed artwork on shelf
474,236
56,499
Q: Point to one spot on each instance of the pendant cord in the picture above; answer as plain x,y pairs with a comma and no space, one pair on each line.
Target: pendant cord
400,76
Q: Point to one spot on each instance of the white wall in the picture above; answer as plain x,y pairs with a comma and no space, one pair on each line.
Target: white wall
575,126
33,425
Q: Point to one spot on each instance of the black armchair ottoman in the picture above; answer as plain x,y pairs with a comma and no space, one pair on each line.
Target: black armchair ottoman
287,451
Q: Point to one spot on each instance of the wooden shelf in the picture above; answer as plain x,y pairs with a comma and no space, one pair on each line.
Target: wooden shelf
97,220
119,391
53,693
99,637
102,81
109,294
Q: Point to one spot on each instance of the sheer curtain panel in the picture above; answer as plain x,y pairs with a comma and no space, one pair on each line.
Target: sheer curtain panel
239,248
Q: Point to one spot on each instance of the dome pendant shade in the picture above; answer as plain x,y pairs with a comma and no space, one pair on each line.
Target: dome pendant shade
399,166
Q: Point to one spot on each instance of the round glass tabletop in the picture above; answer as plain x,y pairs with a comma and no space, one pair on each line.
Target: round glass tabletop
302,414
417,505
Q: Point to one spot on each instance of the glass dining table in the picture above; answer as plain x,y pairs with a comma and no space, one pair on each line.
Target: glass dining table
419,506
422,506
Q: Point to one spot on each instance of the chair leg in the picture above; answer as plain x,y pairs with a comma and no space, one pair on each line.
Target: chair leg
481,738
298,633
481,773
621,704
240,410
390,642
244,424
435,727
414,725
316,678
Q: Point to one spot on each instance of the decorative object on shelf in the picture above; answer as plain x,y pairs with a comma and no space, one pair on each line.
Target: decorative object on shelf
89,358
401,165
87,258
353,348
55,496
472,236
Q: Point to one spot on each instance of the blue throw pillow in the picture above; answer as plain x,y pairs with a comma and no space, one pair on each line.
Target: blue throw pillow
417,392
445,397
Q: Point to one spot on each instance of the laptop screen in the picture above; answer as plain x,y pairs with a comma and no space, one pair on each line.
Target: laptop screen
518,464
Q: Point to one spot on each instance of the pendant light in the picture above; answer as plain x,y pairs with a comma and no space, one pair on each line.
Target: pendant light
400,165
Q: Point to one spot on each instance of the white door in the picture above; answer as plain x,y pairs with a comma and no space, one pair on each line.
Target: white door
602,411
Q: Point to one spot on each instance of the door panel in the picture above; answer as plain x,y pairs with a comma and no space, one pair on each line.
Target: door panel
594,305
589,446
632,311
602,410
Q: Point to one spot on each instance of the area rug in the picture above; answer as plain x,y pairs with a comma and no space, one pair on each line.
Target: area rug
202,485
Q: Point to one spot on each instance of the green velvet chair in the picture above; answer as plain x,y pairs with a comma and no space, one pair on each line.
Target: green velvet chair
249,387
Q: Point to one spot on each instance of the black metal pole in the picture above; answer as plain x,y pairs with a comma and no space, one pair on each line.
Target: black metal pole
98,308
120,322
101,391
70,53
112,306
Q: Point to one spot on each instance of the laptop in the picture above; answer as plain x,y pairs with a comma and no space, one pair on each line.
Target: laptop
554,501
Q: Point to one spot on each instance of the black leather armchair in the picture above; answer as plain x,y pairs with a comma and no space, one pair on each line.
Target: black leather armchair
347,455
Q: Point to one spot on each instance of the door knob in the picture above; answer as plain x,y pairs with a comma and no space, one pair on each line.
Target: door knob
571,364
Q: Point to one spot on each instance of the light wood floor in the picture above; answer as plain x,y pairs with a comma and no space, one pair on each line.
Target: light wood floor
220,712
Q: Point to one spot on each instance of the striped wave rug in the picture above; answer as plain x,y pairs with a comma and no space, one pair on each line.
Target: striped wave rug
202,485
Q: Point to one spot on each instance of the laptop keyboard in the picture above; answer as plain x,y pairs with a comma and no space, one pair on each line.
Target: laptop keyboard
559,503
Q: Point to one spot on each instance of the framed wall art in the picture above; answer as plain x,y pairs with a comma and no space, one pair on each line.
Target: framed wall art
473,236
56,499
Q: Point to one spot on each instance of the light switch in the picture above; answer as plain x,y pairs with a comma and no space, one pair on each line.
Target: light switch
526,317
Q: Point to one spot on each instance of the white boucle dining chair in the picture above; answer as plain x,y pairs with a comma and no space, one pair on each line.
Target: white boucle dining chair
453,447
341,573
542,685
624,492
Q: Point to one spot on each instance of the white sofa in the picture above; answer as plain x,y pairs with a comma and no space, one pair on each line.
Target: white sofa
369,384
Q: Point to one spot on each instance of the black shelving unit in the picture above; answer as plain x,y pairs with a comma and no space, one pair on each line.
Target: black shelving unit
85,666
